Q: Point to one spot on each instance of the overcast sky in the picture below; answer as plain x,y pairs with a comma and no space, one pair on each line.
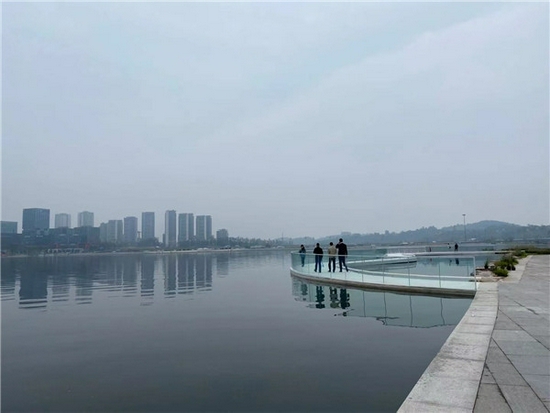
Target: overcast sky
282,118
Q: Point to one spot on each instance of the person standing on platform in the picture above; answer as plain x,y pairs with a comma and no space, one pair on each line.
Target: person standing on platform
302,254
331,257
342,253
318,251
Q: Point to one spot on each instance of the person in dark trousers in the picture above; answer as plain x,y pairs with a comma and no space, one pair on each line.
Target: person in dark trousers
331,257
342,253
456,247
318,251
302,254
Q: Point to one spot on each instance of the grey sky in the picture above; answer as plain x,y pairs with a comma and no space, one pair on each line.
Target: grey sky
294,118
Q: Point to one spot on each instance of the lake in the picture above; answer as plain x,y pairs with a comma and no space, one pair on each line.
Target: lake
212,331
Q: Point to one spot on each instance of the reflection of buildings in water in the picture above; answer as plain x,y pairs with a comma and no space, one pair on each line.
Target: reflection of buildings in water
7,280
33,291
222,264
204,272
79,277
129,277
169,265
147,275
60,288
390,308
186,274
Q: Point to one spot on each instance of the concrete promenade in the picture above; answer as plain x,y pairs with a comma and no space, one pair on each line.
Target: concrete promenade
497,359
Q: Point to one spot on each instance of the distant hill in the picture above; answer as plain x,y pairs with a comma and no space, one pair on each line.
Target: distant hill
483,231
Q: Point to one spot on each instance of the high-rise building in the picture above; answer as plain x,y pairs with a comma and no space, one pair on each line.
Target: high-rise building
36,219
9,227
170,228
62,220
208,227
130,229
103,232
204,227
186,227
222,236
147,225
191,227
85,219
114,230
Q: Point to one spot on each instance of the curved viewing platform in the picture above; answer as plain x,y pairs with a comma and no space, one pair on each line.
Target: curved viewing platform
443,274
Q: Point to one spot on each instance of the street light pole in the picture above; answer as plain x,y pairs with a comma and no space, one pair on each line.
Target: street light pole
464,216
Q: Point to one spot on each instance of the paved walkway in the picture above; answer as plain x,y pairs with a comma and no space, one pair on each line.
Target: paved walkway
516,377
497,359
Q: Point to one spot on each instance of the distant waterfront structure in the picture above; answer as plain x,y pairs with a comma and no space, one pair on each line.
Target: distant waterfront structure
204,227
222,236
170,228
36,219
147,225
9,227
130,229
62,220
186,227
85,219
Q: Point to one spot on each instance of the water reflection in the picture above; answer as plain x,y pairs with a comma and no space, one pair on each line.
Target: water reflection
390,308
39,282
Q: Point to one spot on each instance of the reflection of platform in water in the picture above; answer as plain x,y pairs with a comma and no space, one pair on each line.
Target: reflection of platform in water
391,308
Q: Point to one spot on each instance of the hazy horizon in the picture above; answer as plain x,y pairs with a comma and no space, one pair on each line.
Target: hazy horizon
302,119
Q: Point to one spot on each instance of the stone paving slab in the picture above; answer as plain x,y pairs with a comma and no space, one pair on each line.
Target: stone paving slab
491,400
523,399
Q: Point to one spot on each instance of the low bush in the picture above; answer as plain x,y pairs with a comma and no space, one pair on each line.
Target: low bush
500,272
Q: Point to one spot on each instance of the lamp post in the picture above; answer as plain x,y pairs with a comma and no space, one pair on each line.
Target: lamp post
464,216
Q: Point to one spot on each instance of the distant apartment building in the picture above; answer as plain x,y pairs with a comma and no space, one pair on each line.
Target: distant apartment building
208,227
36,219
9,227
203,227
114,231
222,236
85,219
147,225
103,232
170,228
191,226
186,227
130,230
62,220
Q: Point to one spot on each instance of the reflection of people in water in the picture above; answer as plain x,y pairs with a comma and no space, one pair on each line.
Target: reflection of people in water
344,298
334,302
302,254
319,297
457,262
304,289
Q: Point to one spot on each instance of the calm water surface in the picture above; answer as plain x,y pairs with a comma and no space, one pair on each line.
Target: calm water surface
228,331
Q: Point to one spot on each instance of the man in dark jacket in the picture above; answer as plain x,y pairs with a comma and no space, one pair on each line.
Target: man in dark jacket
342,253
318,251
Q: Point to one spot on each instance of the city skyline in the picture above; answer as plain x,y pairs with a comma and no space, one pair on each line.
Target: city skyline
278,119
60,220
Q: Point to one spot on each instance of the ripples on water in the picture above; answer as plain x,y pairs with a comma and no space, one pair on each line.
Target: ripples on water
207,332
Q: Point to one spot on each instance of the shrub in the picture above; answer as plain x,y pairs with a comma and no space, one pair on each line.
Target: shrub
500,272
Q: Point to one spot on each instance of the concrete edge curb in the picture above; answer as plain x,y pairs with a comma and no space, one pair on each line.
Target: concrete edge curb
451,381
